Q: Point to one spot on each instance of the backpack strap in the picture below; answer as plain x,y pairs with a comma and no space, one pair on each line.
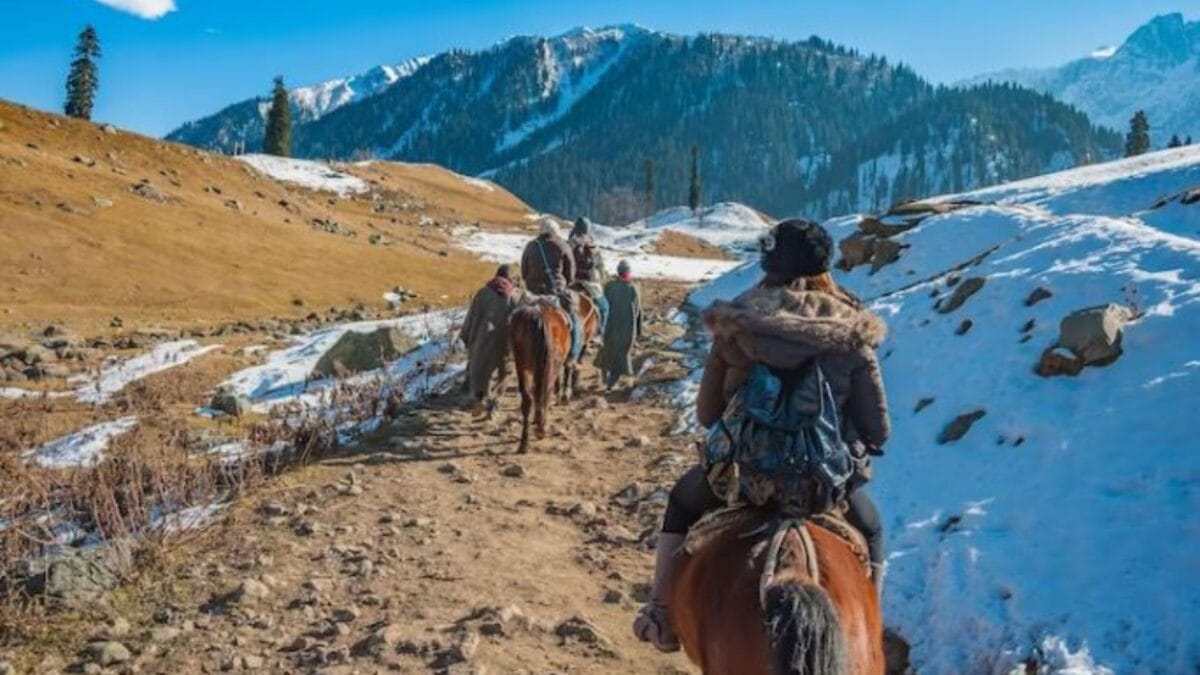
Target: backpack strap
545,261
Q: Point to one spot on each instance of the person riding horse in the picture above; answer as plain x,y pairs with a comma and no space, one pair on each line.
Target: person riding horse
548,268
796,314
590,275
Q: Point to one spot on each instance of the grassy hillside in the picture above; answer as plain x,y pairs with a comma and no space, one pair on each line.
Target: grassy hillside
77,244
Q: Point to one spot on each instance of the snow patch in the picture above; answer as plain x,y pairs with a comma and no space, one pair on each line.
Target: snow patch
284,377
306,173
82,448
115,377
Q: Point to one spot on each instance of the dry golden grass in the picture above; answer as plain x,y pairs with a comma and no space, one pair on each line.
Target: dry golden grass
675,243
195,260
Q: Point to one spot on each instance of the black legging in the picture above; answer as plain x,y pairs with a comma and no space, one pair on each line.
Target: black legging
692,497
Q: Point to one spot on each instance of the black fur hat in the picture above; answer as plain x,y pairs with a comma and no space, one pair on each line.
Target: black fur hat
796,248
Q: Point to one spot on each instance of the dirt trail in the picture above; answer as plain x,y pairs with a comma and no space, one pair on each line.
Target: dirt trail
429,548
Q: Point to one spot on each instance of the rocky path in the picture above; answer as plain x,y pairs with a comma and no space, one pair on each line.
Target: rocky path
430,548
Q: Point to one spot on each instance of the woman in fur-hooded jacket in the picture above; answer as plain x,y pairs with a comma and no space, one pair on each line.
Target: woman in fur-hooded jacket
796,314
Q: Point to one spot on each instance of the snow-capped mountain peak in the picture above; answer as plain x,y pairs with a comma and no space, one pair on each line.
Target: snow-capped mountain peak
1168,40
318,100
1156,69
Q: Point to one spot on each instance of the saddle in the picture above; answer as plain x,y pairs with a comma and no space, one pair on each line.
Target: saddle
567,303
750,522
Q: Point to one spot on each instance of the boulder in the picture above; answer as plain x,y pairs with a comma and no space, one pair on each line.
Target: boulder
229,402
962,291
37,354
1094,334
77,576
1058,361
359,352
876,226
856,250
884,253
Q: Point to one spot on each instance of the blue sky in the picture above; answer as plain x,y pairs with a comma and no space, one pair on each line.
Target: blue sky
203,54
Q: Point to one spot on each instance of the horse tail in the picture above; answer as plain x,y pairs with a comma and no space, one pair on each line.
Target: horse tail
518,331
806,637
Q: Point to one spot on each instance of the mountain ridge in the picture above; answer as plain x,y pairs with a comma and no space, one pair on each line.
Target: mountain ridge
569,122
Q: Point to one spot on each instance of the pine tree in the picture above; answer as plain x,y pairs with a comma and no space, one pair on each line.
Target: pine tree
84,78
1138,140
278,139
648,189
1174,142
1188,140
694,187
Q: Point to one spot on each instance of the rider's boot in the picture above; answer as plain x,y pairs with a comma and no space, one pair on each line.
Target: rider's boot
878,572
653,623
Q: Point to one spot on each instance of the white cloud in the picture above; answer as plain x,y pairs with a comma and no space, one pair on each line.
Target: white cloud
147,9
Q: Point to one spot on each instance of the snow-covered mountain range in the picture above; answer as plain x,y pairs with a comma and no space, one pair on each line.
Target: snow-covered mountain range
244,124
1157,69
1058,533
569,123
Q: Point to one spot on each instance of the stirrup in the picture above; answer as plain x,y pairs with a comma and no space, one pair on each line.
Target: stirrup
653,625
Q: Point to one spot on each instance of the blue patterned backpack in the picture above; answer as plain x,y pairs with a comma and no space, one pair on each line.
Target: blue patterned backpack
779,442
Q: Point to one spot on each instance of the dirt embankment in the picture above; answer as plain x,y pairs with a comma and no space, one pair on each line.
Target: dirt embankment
675,243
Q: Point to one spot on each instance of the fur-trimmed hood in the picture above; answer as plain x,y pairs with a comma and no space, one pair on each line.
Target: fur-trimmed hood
782,327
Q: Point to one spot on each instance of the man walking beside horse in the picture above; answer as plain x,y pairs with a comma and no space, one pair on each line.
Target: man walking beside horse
485,334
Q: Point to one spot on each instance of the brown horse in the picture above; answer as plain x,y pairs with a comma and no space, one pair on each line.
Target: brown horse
540,335
731,623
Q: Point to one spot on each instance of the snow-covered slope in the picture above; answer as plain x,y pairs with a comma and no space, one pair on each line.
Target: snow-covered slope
1062,526
1157,69
728,225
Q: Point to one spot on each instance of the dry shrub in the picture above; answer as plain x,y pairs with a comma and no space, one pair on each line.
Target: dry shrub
161,467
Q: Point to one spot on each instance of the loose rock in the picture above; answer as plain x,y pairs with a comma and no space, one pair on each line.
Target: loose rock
1037,295
107,653
959,426
962,291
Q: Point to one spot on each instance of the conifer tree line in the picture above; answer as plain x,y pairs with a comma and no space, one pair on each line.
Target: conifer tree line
84,78
278,140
